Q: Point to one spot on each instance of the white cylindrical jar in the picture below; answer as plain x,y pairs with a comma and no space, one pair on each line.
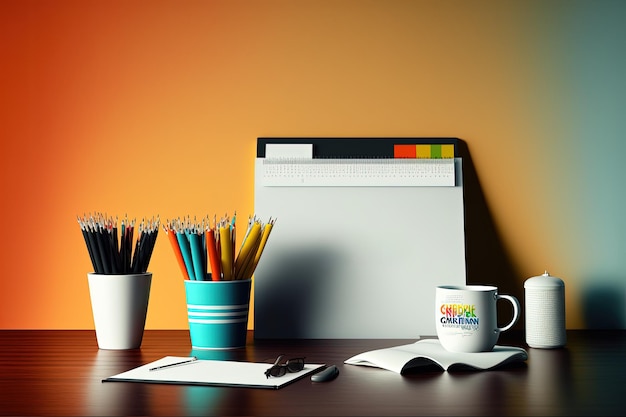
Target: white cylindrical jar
545,311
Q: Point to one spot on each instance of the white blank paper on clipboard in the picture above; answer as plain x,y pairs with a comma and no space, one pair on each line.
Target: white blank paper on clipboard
210,372
356,258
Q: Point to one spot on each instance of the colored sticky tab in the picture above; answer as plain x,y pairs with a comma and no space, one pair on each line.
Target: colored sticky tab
424,151
431,151
447,151
404,151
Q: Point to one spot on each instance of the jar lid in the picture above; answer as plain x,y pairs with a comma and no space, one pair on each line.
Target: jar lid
544,281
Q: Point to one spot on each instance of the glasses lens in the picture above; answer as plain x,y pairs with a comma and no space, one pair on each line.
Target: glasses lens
278,370
295,365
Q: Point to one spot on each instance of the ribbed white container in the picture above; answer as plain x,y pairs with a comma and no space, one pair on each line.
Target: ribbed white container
545,311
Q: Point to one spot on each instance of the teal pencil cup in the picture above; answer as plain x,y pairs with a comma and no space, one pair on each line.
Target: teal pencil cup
218,313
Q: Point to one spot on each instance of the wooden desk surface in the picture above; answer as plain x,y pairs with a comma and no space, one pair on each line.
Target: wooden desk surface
59,372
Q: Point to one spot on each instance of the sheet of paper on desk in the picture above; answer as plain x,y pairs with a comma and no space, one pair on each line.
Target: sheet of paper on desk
430,352
210,372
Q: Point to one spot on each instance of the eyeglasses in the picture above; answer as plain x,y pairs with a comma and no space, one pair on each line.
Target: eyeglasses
278,369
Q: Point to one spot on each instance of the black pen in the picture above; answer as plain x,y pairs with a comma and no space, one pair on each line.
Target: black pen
193,359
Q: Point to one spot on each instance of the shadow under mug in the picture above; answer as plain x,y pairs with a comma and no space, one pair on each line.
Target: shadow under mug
119,303
466,317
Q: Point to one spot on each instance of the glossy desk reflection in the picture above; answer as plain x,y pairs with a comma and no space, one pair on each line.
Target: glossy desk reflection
54,372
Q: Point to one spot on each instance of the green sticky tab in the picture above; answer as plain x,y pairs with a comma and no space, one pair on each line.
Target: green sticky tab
435,151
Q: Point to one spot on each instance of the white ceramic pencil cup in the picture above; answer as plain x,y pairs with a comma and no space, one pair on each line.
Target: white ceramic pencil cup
119,304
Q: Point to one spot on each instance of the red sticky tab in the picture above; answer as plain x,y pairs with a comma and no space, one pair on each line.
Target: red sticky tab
404,151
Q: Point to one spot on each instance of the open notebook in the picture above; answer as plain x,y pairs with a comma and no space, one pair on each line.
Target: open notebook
426,352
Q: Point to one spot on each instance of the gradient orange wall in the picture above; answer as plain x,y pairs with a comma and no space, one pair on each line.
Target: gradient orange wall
152,108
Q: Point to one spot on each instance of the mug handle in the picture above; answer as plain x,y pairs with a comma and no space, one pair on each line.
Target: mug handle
516,310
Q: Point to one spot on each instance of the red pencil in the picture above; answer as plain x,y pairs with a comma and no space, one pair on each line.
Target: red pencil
214,258
179,256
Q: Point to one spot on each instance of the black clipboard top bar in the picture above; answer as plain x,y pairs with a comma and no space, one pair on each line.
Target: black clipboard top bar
355,147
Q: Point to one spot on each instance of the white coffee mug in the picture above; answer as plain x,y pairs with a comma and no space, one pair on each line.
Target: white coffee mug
466,317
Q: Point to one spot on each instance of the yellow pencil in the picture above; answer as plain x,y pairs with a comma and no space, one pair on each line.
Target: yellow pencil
247,249
226,254
266,233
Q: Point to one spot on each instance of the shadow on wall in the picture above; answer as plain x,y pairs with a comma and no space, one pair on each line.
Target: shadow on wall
604,306
292,305
486,260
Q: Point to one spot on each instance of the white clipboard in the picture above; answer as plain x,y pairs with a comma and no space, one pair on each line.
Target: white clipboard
352,260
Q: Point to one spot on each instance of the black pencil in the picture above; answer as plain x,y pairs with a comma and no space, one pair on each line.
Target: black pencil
111,253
